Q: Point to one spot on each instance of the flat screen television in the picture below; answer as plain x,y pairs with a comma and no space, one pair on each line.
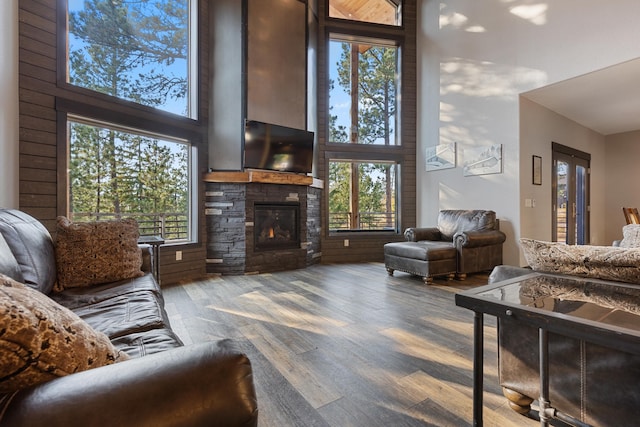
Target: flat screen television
278,148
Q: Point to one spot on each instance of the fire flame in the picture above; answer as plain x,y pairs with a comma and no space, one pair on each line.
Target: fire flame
271,234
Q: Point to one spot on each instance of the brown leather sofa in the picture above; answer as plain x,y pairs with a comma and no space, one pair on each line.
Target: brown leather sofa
163,384
464,241
594,384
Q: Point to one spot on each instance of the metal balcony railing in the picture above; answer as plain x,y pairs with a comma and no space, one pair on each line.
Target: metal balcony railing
169,225
366,221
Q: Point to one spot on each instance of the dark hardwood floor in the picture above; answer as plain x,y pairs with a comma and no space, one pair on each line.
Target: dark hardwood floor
348,345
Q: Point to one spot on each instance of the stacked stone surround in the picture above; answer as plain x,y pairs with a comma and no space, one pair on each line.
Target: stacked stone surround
230,227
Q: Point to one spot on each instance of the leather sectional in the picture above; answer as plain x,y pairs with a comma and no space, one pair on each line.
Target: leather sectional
163,383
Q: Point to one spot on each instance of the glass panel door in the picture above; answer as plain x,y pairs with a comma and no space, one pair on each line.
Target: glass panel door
571,199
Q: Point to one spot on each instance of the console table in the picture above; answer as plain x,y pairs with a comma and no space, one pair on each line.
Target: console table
519,299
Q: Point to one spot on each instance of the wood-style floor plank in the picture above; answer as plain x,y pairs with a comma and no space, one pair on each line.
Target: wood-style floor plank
348,345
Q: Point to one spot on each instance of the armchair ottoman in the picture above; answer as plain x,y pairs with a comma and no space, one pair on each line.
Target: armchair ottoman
464,241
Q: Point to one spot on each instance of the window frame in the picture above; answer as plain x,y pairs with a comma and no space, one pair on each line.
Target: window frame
99,107
340,157
385,35
381,42
194,70
68,111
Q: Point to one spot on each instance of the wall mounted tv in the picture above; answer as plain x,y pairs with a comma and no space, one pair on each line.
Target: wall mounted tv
279,148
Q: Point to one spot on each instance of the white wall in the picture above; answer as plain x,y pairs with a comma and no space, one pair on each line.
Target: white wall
623,176
9,103
476,58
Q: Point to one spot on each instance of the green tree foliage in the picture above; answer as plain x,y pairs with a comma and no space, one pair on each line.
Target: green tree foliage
128,49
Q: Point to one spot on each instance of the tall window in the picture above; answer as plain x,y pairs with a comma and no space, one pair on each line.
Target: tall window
362,195
117,173
140,51
363,92
363,112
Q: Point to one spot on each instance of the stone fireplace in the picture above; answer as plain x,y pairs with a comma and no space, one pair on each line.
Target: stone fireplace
260,222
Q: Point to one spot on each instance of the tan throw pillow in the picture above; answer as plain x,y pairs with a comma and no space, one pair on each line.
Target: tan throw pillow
598,262
41,340
90,253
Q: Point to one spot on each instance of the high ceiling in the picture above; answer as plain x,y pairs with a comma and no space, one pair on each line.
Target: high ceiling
606,101
377,11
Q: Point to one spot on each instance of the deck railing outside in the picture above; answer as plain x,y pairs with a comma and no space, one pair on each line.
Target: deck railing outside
169,225
366,221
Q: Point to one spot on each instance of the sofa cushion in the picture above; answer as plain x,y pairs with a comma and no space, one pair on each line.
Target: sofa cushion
630,236
41,340
125,314
600,262
74,298
140,344
32,247
89,253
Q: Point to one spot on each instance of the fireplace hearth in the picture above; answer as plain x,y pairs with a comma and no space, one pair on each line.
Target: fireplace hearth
242,214
276,226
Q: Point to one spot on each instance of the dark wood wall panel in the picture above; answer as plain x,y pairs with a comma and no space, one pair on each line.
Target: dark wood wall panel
37,70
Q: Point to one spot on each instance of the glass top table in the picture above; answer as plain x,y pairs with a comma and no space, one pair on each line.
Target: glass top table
604,313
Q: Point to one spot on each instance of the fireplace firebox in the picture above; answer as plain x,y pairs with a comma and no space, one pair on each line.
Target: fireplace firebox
276,226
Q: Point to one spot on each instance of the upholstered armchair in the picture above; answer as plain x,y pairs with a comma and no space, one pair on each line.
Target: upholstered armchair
464,241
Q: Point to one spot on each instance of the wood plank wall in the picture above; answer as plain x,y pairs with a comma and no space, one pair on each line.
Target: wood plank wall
368,246
42,139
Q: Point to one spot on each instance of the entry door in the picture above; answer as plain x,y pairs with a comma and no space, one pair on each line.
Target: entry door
571,195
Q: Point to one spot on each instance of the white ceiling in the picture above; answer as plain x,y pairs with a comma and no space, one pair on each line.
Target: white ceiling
606,101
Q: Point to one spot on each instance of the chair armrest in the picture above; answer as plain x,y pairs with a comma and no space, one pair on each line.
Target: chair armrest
414,234
205,384
474,239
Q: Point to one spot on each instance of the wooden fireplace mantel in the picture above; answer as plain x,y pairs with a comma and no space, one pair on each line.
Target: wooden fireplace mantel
264,177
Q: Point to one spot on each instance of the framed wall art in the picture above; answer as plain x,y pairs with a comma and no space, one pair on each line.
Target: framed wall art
537,170
441,156
483,160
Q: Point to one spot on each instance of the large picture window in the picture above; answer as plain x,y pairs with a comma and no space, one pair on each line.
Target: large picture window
139,51
362,196
363,84
116,173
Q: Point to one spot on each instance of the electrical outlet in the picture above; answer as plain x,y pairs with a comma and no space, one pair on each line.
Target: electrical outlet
178,255
346,243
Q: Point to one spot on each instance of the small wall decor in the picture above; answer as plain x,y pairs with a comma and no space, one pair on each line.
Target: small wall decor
483,160
442,156
537,170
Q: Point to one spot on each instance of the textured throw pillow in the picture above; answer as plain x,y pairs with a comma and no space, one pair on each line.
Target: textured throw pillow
90,253
599,262
41,340
630,236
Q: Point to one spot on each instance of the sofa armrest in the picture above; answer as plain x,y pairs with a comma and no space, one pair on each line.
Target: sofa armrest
474,239
505,272
147,257
205,384
414,234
